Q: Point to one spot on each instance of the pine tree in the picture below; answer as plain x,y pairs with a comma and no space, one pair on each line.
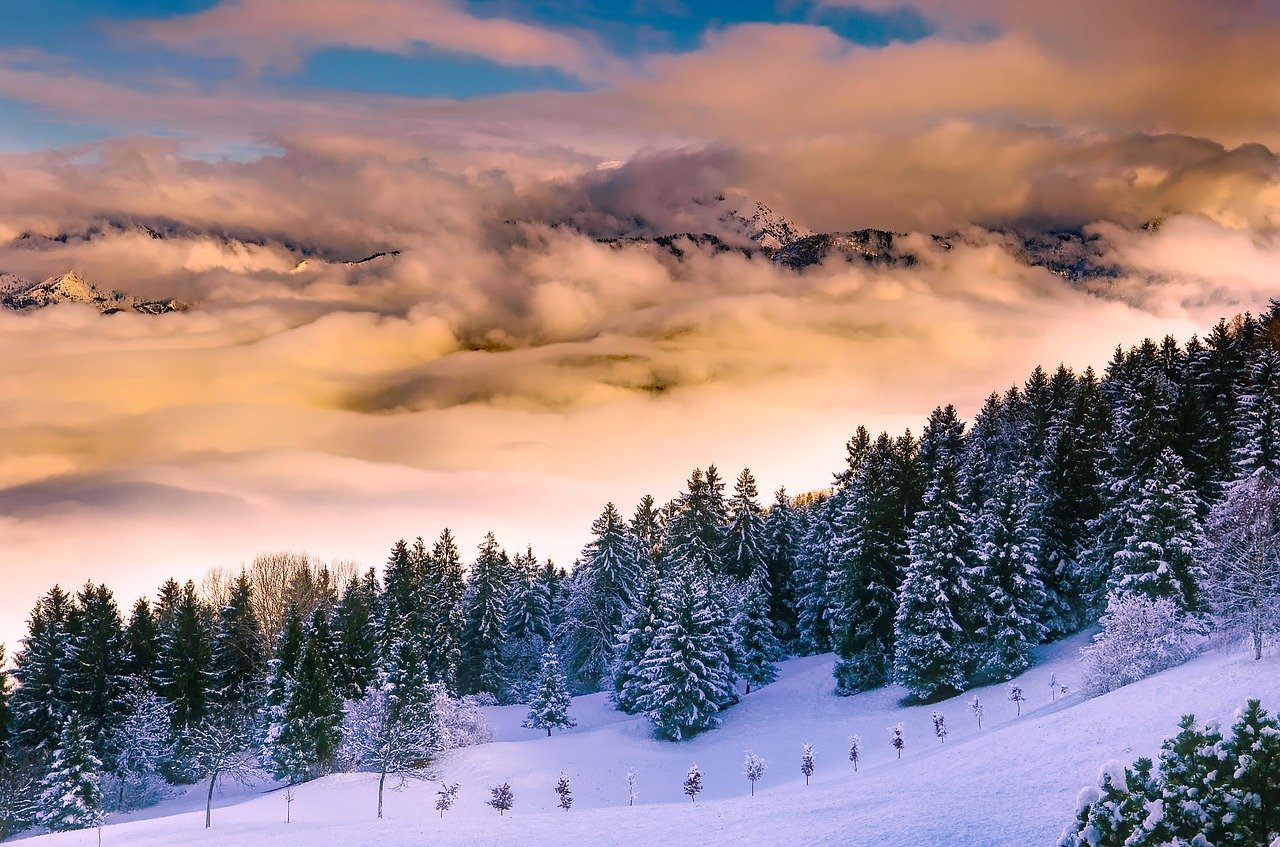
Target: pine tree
1008,596
694,537
693,782
1161,534
1109,815
355,638
307,736
563,792
527,630
142,637
867,558
550,707
484,611
603,594
185,675
647,532
634,644
1253,797
40,703
96,675
1257,423
782,546
502,798
6,712
812,572
1194,782
745,546
72,789
238,666
931,645
686,670
758,648
753,767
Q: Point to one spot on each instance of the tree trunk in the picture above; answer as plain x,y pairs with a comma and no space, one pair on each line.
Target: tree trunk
208,803
382,780
548,732
1257,638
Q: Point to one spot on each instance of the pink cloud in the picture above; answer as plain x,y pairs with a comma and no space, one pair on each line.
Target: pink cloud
280,33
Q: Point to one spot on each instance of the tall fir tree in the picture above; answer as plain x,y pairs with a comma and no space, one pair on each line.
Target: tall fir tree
97,673
306,740
601,598
238,665
549,707
745,547
931,646
687,675
634,643
758,648
812,574
781,546
185,676
142,636
41,704
1161,532
484,611
71,795
1257,419
1008,595
355,633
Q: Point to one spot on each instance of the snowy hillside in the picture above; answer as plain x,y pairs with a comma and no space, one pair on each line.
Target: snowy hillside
1012,783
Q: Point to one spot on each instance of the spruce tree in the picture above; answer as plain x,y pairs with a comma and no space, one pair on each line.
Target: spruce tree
812,574
97,674
306,740
1252,799
634,644
1257,419
867,558
1008,595
931,645
41,702
447,586
1161,532
72,789
694,536
549,708
745,546
758,649
142,635
355,635
686,672
238,666
527,630
782,545
602,596
1193,785
185,675
484,610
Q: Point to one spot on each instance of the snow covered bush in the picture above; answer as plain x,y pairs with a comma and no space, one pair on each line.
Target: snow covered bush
1139,637
459,723
753,768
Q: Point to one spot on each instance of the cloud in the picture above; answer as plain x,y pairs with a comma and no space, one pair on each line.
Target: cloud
280,33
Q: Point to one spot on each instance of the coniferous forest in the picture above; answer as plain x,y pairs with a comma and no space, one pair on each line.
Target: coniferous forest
936,560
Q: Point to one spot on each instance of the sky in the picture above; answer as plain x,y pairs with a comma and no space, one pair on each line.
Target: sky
507,370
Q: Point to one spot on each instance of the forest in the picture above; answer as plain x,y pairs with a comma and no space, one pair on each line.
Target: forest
1144,499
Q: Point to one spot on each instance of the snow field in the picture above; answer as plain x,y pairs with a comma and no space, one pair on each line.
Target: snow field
1013,783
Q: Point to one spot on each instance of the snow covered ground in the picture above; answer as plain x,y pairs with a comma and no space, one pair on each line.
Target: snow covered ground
1014,782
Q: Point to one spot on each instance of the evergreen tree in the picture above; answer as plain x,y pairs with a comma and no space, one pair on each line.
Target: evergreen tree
686,671
284,670
448,586
1193,785
6,712
647,532
142,635
745,545
1257,421
758,649
931,645
185,677
1008,595
484,610
96,675
305,741
238,666
867,558
806,762
634,644
1161,533
355,633
550,706
72,789
41,704
1109,815
782,546
603,594
1252,799
812,572
527,630
694,536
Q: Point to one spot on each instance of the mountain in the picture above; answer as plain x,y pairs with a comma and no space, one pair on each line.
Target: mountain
21,295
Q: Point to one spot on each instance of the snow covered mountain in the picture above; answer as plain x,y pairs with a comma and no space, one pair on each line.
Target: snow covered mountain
1011,783
20,295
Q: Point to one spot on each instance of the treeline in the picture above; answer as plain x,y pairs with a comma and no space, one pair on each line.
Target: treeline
937,561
